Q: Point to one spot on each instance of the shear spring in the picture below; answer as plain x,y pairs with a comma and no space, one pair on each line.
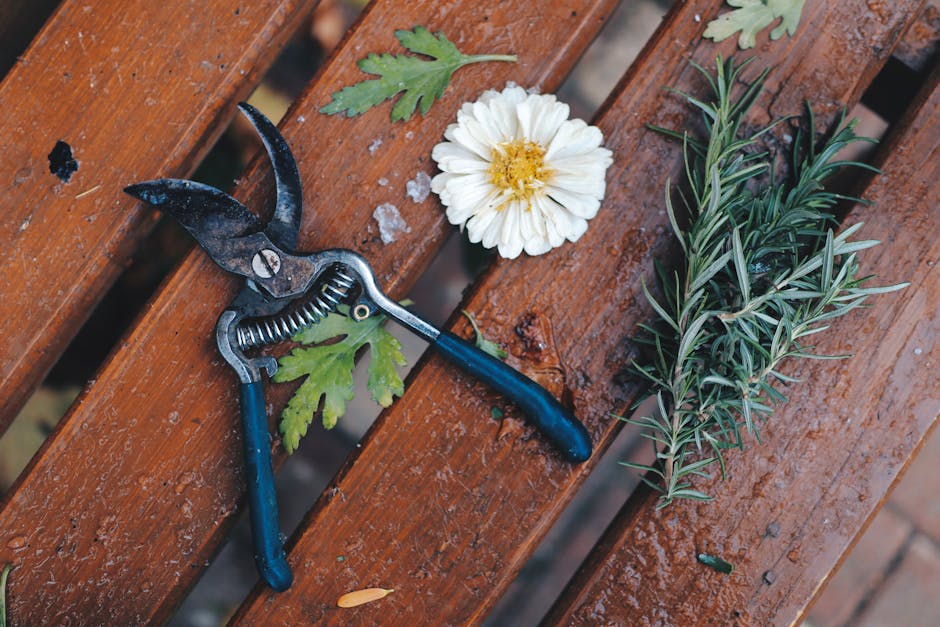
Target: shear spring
279,328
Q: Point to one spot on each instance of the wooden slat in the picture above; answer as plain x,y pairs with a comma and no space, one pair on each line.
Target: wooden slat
137,89
137,487
443,503
794,506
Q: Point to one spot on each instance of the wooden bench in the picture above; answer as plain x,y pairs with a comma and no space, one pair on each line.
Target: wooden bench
136,489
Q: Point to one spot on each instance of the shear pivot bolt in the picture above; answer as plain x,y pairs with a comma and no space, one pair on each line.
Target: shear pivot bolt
266,263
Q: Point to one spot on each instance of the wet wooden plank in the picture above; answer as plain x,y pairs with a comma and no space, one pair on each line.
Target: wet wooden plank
136,89
139,484
793,507
919,47
443,503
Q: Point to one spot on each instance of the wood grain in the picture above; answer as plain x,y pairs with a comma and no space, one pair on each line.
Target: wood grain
444,503
794,506
138,90
138,486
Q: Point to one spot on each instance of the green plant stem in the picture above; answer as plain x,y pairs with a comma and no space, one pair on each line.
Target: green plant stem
762,270
3,594
479,58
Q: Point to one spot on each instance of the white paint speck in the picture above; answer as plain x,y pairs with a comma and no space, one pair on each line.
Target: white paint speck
698,18
391,224
25,224
918,351
419,187
383,182
409,135
301,118
374,146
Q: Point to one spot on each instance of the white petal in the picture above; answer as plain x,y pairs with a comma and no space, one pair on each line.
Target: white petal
439,186
538,246
510,239
565,222
488,95
488,203
467,198
491,225
511,249
503,112
481,126
591,186
513,94
471,135
592,164
540,117
581,205
525,227
574,137
439,182
454,158
510,226
555,226
479,223
558,206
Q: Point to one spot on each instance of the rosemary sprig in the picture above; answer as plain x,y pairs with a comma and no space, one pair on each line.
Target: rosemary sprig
763,271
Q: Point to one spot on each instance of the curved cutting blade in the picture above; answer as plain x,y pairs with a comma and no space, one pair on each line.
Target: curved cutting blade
210,215
285,224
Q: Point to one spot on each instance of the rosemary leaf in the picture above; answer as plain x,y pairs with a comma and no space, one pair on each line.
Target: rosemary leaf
762,269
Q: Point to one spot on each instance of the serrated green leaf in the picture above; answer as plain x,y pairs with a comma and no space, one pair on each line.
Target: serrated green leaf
752,16
327,371
420,41
422,80
384,383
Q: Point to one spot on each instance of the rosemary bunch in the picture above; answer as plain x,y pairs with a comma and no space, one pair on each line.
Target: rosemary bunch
762,270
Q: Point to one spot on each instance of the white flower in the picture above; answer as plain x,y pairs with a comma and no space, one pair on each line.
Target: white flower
518,173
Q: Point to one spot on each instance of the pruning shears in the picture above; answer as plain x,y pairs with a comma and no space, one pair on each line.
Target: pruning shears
286,291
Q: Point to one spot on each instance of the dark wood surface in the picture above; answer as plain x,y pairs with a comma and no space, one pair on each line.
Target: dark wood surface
138,486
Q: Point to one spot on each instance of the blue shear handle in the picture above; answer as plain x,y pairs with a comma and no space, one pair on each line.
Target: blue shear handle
554,421
262,503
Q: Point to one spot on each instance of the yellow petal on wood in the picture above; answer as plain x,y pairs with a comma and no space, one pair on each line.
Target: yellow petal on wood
358,597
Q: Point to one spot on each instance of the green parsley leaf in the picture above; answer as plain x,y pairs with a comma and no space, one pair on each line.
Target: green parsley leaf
753,16
487,346
328,368
422,80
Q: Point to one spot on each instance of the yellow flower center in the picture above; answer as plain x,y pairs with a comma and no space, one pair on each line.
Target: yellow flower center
518,169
